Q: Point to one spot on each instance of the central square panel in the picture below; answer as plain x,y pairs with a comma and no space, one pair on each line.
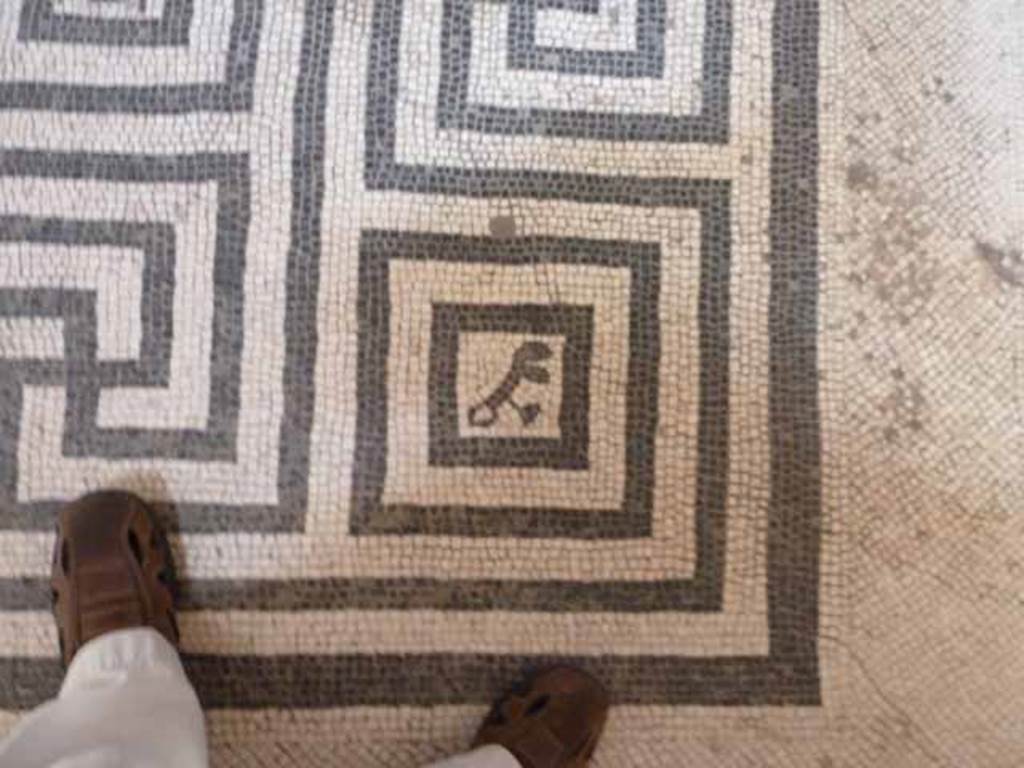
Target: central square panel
529,411
510,385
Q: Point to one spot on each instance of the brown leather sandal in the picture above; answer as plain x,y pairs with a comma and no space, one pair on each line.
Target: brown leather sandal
553,721
112,569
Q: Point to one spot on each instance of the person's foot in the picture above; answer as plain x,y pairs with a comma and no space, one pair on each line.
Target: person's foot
112,569
553,721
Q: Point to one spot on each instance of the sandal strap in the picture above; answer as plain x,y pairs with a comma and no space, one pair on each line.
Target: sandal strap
107,597
538,747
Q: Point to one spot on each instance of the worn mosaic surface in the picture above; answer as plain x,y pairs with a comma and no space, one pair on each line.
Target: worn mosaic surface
679,339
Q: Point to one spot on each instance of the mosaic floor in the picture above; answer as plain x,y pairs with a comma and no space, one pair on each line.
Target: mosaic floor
679,339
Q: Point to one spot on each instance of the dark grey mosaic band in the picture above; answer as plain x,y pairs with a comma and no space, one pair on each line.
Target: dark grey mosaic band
412,680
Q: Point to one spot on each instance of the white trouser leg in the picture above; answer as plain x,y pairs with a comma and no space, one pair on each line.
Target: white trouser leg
491,756
125,701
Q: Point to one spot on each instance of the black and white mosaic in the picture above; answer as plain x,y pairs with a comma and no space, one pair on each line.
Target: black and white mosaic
476,440
450,338
107,22
483,361
159,57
